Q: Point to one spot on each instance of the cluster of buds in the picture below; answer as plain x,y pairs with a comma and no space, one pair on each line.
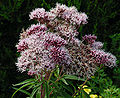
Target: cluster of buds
53,42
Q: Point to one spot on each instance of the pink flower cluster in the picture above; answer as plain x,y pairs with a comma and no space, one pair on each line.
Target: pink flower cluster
69,14
66,31
36,28
52,39
53,42
100,56
41,51
97,45
41,15
65,20
22,45
89,38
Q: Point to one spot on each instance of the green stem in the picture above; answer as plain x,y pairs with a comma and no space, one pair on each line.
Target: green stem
80,88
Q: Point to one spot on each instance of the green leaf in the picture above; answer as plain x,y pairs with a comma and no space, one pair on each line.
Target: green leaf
46,90
54,84
24,82
39,84
68,88
72,85
58,70
36,84
66,95
21,88
59,97
23,91
34,91
64,81
71,77
31,86
38,94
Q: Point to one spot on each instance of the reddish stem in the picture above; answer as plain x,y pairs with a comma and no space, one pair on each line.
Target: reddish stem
42,89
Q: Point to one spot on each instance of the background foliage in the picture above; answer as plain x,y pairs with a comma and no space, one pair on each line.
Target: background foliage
14,15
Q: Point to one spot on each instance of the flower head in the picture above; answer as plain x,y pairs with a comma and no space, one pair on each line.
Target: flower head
97,45
93,96
36,28
53,41
41,15
89,38
102,57
85,89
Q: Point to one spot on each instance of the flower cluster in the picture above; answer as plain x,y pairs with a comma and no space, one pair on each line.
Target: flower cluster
97,45
100,56
41,51
89,38
36,28
69,14
53,41
41,15
88,91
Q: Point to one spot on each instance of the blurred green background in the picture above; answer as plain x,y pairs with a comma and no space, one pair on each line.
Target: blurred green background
14,15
